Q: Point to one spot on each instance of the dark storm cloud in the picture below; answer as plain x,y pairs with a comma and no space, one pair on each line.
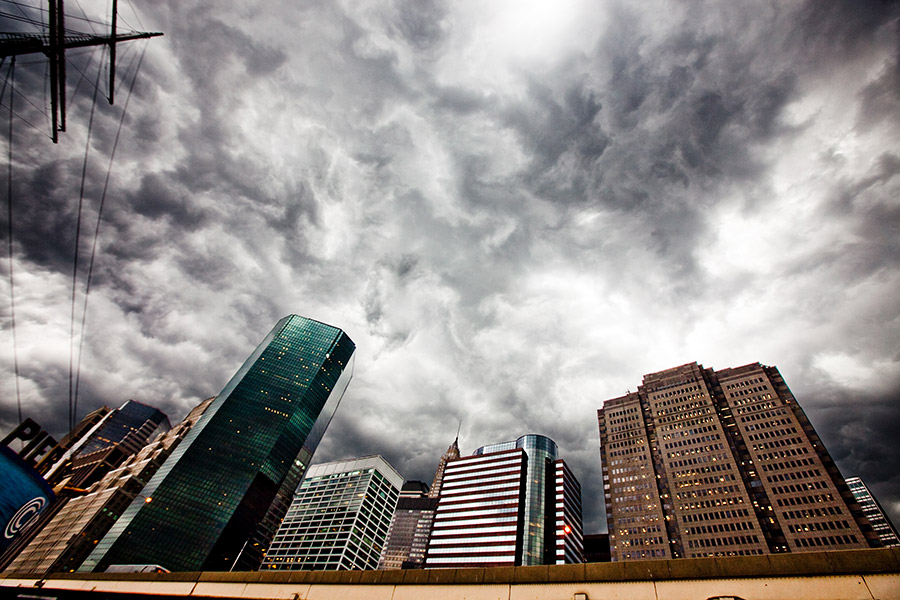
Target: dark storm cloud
881,98
842,29
512,230
869,207
458,100
859,431
590,142
42,224
422,25
157,199
550,127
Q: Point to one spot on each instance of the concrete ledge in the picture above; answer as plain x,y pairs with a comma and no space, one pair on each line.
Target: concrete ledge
604,571
695,568
538,574
812,587
564,573
391,577
415,577
441,576
844,562
500,574
853,561
749,565
241,577
647,570
470,576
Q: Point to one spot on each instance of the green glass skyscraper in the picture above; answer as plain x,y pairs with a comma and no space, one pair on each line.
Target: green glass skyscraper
217,501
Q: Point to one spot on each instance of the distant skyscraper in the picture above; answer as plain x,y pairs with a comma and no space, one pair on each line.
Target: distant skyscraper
339,517
411,523
882,525
119,435
512,503
129,426
218,499
413,489
452,453
700,462
102,441
55,463
410,528
64,542
564,502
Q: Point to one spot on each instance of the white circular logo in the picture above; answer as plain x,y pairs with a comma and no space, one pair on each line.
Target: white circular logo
23,516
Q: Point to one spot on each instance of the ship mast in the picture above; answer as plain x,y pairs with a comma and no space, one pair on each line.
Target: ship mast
54,45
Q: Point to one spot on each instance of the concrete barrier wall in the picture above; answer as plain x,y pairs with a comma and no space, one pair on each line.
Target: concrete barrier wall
844,575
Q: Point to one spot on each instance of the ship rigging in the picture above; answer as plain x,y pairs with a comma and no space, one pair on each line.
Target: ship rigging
30,29
53,40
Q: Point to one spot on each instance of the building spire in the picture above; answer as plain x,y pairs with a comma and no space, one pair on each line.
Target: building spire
452,453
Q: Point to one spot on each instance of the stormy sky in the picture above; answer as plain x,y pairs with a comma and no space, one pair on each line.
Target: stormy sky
516,209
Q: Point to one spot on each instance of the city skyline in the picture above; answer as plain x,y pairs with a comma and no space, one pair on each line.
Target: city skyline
514,210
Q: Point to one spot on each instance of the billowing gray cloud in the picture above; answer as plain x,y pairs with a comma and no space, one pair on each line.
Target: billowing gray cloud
515,210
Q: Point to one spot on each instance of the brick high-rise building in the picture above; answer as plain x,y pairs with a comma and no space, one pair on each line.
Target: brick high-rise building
410,528
700,462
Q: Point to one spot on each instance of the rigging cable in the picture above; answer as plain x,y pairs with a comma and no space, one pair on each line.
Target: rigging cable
112,156
9,215
91,23
73,402
42,12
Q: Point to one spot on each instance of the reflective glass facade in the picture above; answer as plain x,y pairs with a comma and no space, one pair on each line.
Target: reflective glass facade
222,490
64,542
542,453
131,425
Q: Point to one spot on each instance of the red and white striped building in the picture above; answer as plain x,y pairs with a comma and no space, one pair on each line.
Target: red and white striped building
483,505
569,537
479,514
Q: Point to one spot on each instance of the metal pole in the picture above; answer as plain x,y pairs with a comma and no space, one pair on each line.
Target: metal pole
112,52
61,48
234,564
54,79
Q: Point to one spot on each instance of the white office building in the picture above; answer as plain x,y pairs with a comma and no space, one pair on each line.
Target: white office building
338,518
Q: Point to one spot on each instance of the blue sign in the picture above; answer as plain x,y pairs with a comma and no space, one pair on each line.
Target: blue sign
23,496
